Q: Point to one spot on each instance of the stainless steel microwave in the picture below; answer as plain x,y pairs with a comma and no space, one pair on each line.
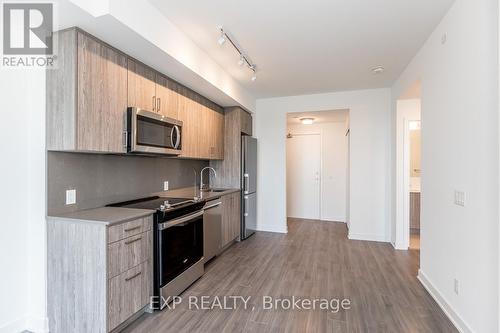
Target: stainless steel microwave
152,133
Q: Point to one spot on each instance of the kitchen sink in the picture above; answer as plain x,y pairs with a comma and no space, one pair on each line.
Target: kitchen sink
217,190
214,190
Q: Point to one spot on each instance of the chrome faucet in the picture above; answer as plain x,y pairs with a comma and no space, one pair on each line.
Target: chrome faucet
201,176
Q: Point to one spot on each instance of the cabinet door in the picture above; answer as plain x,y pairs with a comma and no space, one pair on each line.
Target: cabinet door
246,122
189,114
205,138
141,86
167,94
235,215
102,96
230,218
128,292
219,136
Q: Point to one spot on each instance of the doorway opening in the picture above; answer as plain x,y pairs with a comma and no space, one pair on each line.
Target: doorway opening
317,162
408,169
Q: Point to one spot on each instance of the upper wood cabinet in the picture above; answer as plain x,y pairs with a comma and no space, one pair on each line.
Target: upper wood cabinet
246,122
167,95
86,96
236,122
203,127
93,84
141,86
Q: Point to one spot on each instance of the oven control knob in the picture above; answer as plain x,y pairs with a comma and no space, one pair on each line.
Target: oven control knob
167,204
196,199
162,207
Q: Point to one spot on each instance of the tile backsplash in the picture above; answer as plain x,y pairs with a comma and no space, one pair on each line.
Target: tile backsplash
104,179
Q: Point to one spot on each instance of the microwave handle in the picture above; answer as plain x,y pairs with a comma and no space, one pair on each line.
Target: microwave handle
178,137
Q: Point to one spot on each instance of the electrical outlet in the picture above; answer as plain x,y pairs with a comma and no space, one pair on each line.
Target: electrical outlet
71,197
165,185
455,286
460,198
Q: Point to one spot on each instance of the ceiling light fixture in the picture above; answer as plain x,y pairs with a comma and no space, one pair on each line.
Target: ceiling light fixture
378,70
244,60
307,121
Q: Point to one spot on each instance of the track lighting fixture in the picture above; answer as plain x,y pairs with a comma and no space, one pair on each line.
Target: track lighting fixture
221,40
244,60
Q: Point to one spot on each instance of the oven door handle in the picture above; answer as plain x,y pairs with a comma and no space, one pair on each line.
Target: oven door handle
165,225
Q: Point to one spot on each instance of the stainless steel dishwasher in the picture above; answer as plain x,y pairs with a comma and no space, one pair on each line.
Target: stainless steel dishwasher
212,224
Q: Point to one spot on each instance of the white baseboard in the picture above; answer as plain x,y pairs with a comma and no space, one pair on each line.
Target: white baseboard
335,219
368,237
15,326
399,246
37,324
27,323
272,228
454,317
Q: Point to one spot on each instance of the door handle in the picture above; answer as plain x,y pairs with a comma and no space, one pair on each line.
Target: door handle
154,102
158,100
245,214
246,179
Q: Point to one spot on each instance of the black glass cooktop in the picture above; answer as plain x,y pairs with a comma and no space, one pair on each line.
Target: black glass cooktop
154,203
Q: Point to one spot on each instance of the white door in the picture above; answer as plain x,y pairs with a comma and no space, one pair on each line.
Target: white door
303,176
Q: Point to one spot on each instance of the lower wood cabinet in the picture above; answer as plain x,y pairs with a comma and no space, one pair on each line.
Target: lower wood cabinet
231,218
99,276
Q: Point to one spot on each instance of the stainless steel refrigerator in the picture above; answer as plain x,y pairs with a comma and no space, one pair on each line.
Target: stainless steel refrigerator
249,186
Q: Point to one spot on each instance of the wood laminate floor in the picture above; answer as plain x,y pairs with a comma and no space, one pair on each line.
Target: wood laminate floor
314,260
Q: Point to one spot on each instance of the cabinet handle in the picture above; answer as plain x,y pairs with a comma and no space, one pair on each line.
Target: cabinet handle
133,241
154,102
125,139
133,276
132,229
158,100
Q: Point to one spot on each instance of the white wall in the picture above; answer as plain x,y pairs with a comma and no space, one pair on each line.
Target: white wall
22,240
333,167
460,139
370,158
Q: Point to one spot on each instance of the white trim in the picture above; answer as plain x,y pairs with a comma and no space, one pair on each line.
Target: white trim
37,324
272,228
454,317
402,225
368,237
341,219
17,325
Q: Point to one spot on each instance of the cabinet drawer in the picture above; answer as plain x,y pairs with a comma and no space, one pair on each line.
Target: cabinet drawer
128,293
128,252
131,228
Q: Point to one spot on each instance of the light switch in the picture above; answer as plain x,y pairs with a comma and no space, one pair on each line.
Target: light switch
70,197
460,198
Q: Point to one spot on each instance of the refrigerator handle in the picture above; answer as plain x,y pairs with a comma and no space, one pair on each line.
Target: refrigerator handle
246,178
246,206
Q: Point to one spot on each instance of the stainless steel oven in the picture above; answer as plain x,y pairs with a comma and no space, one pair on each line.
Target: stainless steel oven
151,133
180,245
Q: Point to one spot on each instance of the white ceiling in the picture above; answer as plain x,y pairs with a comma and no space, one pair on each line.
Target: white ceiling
314,46
320,117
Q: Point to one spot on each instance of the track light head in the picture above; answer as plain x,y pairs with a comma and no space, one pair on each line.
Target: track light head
254,77
221,40
241,62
